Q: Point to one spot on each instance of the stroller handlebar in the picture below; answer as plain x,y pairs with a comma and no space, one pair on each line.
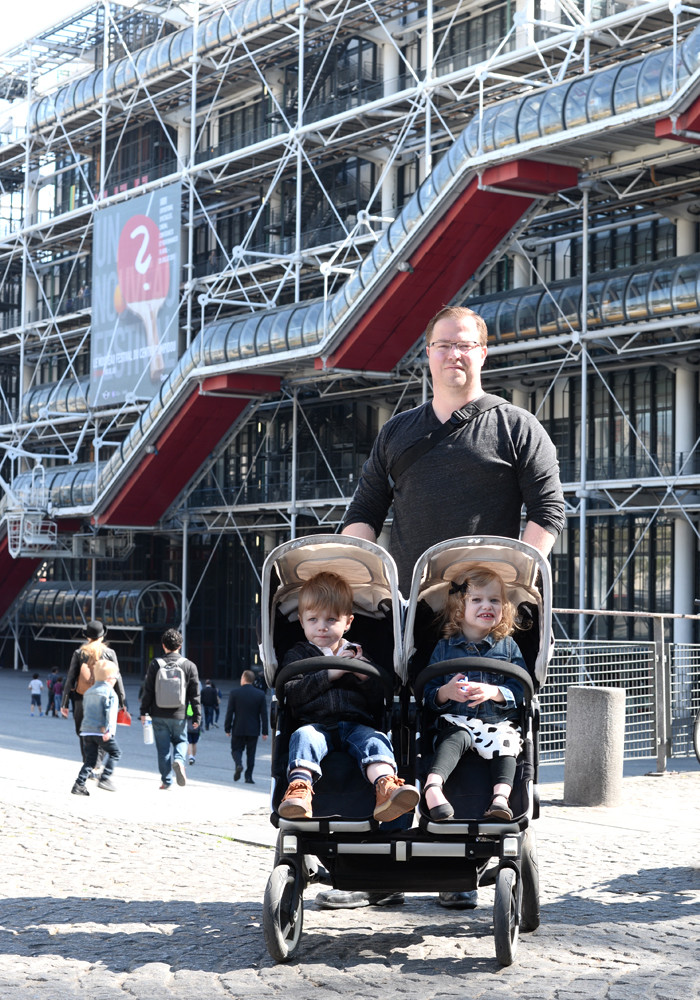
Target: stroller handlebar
463,664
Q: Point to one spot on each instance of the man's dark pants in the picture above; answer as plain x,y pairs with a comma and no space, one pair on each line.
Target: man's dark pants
238,745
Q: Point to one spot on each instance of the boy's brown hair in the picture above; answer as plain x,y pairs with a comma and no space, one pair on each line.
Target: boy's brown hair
328,592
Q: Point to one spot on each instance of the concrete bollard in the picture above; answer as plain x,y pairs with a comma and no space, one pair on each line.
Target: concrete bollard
595,746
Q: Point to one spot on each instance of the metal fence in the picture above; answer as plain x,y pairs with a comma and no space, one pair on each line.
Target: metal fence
661,681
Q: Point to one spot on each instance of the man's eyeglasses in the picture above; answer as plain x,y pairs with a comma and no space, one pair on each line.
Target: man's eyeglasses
460,346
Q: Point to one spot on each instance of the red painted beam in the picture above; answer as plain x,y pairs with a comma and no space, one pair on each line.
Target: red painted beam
452,251
189,437
689,121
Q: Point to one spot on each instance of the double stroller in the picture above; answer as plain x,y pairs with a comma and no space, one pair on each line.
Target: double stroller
342,845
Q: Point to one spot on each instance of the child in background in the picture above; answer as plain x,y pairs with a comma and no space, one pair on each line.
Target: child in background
99,725
36,687
477,708
336,701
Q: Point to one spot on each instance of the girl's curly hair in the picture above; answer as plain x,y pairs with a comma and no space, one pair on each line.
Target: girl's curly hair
453,614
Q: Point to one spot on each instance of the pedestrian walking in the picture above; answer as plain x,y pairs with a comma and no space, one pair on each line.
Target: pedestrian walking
50,706
210,702
80,676
246,716
99,726
171,684
35,688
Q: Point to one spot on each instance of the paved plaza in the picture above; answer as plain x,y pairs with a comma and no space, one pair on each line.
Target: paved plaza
150,895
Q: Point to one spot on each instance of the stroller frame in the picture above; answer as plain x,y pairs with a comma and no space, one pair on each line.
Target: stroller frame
357,853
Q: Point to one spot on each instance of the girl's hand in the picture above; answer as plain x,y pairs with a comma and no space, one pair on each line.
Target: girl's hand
456,689
477,694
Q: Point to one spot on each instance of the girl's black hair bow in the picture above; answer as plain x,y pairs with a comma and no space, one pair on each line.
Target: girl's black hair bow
458,588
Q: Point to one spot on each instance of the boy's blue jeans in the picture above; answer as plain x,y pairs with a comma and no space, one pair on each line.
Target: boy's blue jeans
311,743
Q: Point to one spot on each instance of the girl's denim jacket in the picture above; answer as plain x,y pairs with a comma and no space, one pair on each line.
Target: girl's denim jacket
100,706
497,649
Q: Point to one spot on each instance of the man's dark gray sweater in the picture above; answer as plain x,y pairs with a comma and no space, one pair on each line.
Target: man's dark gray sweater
474,482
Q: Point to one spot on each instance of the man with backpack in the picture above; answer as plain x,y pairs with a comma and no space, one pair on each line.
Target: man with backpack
171,684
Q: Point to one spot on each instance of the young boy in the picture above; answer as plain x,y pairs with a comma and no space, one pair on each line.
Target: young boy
336,701
100,706
36,687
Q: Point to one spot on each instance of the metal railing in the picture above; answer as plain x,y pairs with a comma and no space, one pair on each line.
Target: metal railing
661,681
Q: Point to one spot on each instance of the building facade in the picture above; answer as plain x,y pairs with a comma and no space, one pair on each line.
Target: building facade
323,178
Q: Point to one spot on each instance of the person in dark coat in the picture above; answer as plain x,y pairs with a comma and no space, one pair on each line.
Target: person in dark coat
246,716
210,701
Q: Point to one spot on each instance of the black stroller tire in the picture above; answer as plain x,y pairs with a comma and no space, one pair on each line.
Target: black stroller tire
283,914
505,916
696,735
530,875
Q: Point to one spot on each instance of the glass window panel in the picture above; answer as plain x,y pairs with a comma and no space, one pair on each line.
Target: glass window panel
595,290
685,287
612,299
528,119
526,318
660,292
504,127
548,315
569,306
576,104
649,82
505,319
552,110
636,296
625,92
600,94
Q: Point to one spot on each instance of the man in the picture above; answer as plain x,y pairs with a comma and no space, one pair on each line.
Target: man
474,481
246,715
210,701
174,682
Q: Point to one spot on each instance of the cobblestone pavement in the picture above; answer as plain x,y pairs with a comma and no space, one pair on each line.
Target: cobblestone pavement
143,894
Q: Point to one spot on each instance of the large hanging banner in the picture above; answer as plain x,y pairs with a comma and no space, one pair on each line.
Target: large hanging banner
135,294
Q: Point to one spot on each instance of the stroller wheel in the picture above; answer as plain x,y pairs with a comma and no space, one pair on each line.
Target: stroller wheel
530,875
505,916
283,913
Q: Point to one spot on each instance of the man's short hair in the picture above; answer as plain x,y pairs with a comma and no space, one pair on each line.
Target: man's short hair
248,676
171,639
326,592
459,313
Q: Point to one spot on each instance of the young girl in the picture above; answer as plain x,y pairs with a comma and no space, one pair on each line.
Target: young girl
476,709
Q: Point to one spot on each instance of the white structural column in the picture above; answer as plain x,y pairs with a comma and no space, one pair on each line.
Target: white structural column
684,537
391,68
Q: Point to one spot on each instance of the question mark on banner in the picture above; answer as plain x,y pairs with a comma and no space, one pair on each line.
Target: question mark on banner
140,264
144,281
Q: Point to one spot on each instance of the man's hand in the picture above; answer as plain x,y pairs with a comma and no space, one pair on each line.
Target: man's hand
64,712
